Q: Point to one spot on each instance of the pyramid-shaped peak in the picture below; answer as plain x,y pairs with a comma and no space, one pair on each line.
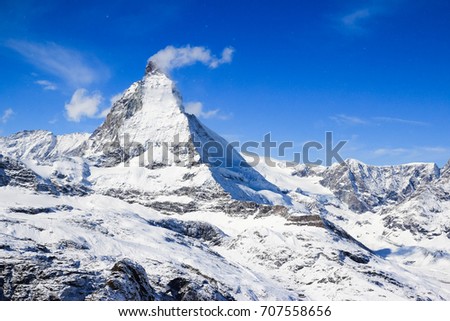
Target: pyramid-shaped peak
150,111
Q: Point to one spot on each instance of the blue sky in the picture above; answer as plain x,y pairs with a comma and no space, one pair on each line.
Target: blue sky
375,73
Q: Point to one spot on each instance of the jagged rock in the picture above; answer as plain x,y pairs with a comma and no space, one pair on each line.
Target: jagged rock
198,230
306,220
365,188
45,278
32,210
128,281
174,207
358,258
15,173
181,289
424,213
69,244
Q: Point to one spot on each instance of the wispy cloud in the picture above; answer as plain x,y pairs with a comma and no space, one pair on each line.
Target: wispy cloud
6,115
355,20
53,121
391,151
196,108
83,104
400,121
411,152
348,120
70,65
171,58
343,119
46,84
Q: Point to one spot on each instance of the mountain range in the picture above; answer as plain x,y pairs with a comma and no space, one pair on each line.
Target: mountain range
140,210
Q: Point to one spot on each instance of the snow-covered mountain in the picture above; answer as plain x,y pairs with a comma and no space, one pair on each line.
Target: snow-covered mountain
365,188
142,210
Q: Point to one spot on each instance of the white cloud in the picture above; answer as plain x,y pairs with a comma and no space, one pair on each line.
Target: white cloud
6,115
83,104
46,85
171,57
350,120
69,65
196,108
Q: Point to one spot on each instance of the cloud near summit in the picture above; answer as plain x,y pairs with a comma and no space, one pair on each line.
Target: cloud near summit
171,58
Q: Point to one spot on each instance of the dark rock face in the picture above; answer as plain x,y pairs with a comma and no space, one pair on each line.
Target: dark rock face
181,289
151,68
40,210
306,220
69,244
4,180
358,258
32,210
128,281
174,207
45,278
198,230
245,209
15,173
106,141
397,223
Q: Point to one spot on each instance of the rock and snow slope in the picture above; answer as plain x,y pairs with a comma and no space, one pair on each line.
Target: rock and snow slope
133,213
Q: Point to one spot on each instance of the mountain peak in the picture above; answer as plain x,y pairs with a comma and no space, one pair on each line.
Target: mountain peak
446,167
354,162
152,68
149,111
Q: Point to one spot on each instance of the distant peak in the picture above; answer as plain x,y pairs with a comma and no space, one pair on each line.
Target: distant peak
354,162
446,167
